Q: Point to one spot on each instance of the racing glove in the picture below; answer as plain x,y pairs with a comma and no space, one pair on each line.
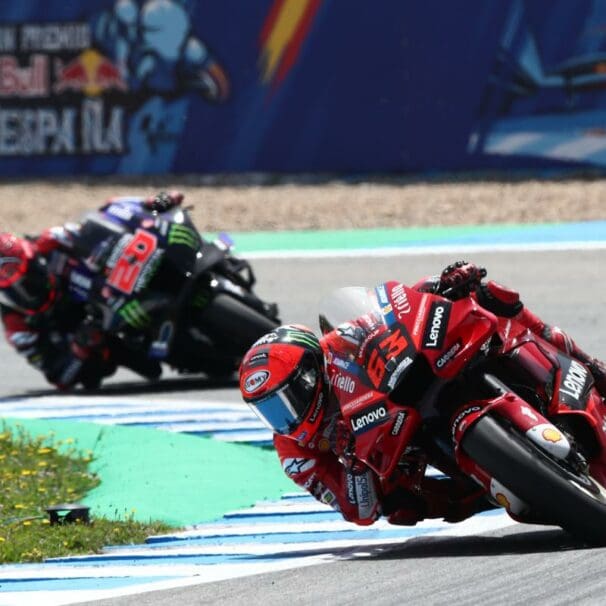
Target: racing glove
163,201
460,279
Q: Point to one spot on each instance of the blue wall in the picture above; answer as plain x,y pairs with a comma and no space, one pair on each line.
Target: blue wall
152,86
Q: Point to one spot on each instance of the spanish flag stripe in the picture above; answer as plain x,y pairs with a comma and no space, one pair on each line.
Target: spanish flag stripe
291,52
270,21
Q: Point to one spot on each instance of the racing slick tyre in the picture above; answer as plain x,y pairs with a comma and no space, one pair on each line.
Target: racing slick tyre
553,489
233,325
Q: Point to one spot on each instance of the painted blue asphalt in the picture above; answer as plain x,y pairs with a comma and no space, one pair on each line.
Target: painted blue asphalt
585,231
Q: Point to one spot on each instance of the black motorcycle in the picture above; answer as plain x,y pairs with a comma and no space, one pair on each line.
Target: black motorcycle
160,293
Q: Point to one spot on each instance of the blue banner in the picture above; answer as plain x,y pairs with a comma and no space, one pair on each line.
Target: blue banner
180,86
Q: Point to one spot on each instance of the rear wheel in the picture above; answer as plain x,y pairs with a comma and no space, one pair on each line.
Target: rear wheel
555,490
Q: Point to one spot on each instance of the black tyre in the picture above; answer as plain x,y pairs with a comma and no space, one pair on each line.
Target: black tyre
553,489
232,325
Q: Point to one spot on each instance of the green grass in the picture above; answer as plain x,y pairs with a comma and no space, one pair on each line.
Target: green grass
37,472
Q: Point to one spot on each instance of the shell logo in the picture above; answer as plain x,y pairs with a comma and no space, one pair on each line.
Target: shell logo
551,434
324,445
502,500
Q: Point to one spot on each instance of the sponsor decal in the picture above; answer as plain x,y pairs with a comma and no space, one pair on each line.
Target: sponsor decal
358,401
148,270
416,329
341,363
310,483
575,380
435,329
369,418
343,383
448,356
528,412
400,301
260,358
122,212
459,418
324,445
270,337
502,500
350,487
365,494
398,423
80,280
9,268
317,409
367,341
350,333
400,368
256,380
134,313
327,497
183,235
294,466
386,310
382,294
551,434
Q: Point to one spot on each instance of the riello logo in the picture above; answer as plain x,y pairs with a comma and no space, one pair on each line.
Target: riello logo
343,383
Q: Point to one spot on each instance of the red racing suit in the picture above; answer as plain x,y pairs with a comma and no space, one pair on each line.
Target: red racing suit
356,491
46,338
59,341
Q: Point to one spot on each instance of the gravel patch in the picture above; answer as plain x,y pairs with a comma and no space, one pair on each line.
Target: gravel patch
252,203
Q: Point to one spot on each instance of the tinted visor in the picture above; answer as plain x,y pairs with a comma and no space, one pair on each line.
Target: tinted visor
31,291
285,409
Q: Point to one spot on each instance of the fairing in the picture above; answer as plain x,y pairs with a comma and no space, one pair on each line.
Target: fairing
385,348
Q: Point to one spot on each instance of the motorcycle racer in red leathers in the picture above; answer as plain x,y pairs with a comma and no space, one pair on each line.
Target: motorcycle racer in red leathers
284,379
36,315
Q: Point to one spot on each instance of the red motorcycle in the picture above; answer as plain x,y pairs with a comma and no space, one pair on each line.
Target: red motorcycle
508,419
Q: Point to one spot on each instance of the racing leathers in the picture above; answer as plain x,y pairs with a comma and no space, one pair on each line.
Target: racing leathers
327,468
63,340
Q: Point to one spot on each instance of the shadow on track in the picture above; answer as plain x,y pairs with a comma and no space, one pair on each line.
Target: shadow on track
125,388
518,542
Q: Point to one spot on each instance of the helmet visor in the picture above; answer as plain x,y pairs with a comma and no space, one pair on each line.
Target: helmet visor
285,409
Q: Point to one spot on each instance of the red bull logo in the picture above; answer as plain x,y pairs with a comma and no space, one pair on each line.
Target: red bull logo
90,73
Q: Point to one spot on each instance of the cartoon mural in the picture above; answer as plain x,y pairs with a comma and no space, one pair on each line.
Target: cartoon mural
546,97
156,86
155,51
113,86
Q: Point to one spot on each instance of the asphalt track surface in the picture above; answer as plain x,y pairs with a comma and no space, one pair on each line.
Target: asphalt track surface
540,565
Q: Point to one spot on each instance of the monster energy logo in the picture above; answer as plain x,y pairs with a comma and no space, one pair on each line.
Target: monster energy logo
200,300
181,234
135,315
298,336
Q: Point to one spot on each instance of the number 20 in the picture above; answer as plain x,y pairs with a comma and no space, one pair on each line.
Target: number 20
129,265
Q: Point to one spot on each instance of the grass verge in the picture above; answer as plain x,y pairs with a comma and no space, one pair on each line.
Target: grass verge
38,472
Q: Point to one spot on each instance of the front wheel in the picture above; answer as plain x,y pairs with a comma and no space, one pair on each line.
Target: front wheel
233,327
553,489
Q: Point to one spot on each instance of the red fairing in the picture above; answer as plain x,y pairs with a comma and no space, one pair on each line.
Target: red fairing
47,241
316,469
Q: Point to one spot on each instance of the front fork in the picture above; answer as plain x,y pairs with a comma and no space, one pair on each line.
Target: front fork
517,412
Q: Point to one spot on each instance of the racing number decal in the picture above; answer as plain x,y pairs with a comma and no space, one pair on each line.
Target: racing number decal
390,347
132,260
